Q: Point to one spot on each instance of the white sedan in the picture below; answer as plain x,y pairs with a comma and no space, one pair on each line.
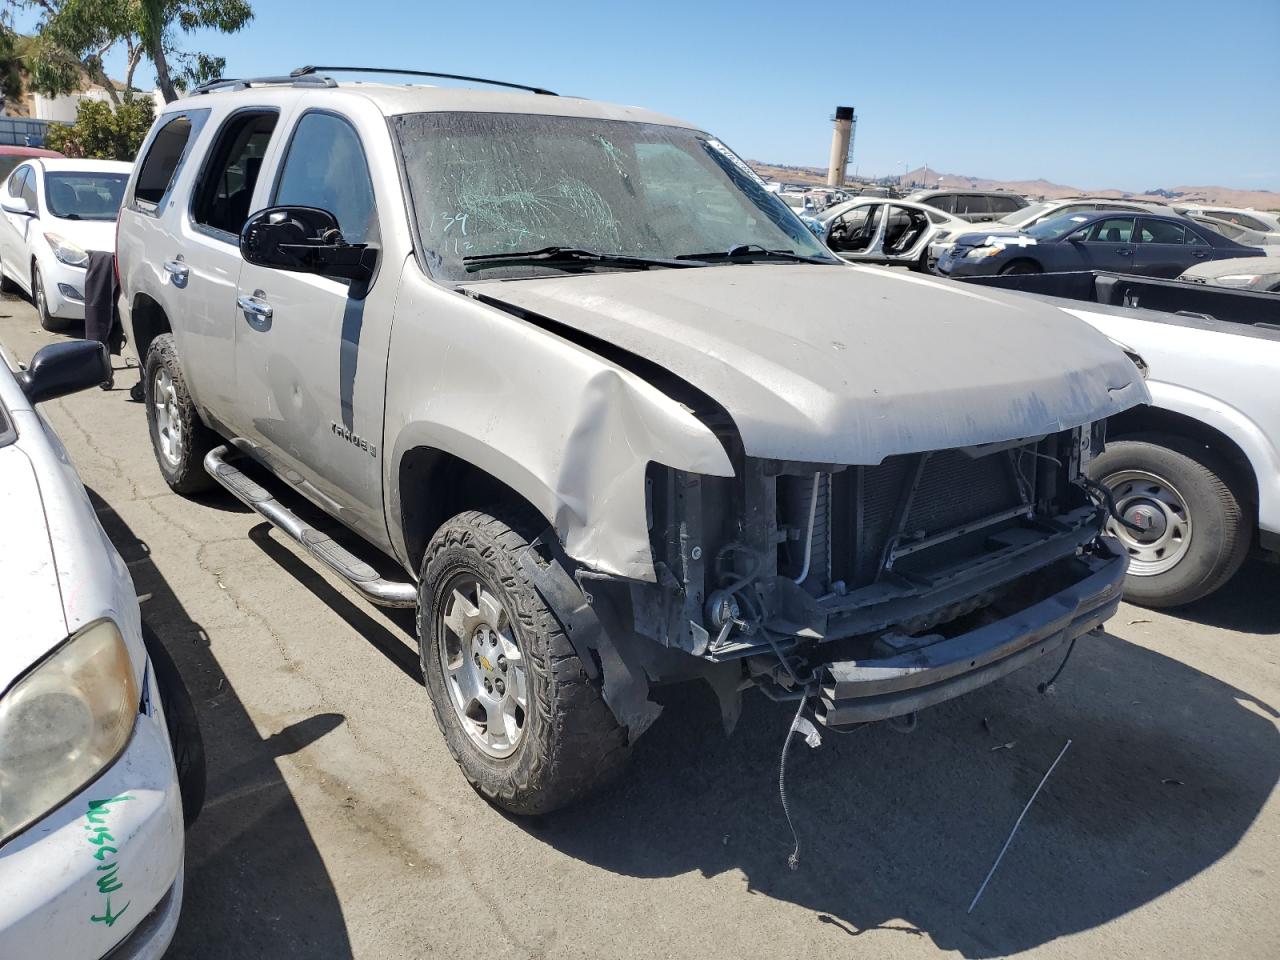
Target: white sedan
92,710
877,230
54,213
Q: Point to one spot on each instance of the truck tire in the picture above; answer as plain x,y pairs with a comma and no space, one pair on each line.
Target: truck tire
491,649
178,437
47,320
1198,534
184,727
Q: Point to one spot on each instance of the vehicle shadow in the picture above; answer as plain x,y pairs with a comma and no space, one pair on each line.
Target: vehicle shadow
250,836
394,647
1247,602
1167,770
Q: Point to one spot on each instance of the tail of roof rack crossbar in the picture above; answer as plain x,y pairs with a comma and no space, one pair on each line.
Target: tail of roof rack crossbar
311,71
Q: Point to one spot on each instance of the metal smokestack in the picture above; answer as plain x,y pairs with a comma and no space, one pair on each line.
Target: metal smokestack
841,140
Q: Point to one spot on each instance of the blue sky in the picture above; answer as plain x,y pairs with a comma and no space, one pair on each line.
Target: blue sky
1126,93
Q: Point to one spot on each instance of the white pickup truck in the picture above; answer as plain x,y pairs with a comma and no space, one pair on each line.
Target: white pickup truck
1198,471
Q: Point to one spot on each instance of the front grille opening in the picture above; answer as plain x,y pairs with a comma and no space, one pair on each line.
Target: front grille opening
913,513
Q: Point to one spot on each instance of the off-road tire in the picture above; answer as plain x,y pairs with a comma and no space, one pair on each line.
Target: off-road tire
1221,531
40,301
183,725
572,744
188,475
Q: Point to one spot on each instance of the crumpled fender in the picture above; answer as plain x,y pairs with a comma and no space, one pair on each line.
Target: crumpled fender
569,431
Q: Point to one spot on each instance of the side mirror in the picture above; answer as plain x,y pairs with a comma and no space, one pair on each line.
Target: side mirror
63,368
305,240
1078,237
16,205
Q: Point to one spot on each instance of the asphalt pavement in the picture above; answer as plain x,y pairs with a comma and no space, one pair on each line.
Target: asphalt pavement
337,825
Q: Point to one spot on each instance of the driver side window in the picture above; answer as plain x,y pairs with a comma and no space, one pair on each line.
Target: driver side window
1111,230
326,168
15,181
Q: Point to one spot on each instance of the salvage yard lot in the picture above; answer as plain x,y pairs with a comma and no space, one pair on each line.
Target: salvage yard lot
337,824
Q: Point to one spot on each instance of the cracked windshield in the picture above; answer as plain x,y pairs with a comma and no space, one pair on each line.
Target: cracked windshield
485,184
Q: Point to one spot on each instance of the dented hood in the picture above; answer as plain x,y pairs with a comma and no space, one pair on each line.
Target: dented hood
848,364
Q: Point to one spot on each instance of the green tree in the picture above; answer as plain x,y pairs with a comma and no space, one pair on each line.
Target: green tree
74,36
104,132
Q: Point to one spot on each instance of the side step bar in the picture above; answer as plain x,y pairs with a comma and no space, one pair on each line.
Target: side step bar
386,593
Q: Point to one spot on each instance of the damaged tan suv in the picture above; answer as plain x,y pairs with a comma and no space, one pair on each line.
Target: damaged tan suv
575,385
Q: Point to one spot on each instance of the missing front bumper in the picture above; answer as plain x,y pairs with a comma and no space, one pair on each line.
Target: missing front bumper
863,691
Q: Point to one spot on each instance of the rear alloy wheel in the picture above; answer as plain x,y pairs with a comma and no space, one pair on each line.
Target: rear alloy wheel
1193,532
41,301
178,437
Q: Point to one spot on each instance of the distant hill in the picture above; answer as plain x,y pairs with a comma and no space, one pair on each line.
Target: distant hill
926,176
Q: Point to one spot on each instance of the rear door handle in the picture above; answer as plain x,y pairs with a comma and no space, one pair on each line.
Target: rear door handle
178,271
1124,253
254,306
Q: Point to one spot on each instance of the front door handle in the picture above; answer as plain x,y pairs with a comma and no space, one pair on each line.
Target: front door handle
1124,253
254,306
178,272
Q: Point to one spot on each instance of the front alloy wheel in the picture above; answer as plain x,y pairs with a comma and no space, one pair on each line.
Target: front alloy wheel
483,665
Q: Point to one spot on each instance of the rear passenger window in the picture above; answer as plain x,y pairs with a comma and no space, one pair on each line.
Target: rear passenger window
159,168
326,168
972,204
225,190
1004,204
1158,231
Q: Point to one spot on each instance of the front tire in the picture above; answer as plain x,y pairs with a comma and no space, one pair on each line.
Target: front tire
183,726
528,727
41,301
1196,534
1021,267
178,437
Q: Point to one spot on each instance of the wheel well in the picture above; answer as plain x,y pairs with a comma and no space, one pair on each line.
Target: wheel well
434,486
149,321
1155,420
1029,261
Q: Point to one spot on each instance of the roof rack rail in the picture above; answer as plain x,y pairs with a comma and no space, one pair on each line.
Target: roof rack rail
310,71
228,83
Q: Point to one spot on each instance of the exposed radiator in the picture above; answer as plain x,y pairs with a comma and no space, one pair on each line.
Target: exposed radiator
860,508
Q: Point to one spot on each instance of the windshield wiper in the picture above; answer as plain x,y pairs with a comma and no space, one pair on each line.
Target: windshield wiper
557,256
746,252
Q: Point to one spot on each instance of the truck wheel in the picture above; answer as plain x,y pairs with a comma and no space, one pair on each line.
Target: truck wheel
178,438
184,727
1196,532
518,712
47,320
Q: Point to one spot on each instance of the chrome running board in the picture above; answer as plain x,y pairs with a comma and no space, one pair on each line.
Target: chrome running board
386,593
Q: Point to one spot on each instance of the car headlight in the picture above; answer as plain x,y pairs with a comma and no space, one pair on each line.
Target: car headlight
1238,280
66,251
977,253
63,723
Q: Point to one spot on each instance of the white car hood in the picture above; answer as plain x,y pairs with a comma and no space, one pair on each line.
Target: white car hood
29,593
85,234
846,364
